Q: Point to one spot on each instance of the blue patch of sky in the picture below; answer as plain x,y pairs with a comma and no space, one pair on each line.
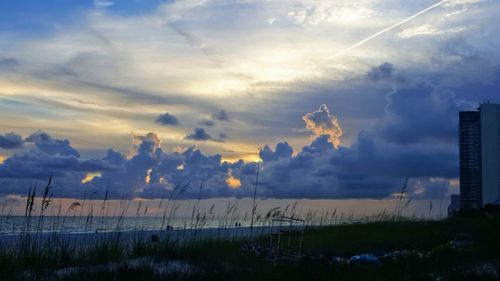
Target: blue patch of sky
135,7
35,16
38,17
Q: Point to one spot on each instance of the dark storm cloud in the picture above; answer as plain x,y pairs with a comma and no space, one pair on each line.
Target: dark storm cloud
319,145
421,112
46,144
167,119
44,156
199,134
37,165
381,72
414,137
212,121
369,168
371,157
282,150
166,170
11,141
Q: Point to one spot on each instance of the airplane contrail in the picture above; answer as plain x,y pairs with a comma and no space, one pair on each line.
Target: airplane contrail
378,34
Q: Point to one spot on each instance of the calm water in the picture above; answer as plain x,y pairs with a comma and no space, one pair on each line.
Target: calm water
92,216
73,224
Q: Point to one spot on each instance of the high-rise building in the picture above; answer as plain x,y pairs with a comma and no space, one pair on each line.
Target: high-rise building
479,133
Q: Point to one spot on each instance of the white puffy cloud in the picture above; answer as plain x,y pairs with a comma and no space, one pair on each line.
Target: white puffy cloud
427,29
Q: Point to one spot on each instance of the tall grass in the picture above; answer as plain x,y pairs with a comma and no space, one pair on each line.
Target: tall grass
37,230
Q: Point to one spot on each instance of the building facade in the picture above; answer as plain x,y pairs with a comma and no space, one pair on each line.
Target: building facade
479,133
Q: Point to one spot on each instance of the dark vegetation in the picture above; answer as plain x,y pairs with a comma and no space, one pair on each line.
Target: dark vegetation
403,248
225,260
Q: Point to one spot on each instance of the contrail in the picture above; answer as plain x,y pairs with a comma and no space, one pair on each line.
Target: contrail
378,34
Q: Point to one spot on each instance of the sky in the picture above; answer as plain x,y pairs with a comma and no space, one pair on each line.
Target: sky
345,98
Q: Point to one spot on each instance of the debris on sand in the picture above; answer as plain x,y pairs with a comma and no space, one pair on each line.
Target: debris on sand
365,260
462,240
159,267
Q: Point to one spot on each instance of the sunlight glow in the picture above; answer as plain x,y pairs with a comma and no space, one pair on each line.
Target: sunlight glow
90,176
455,183
245,156
2,158
148,176
232,181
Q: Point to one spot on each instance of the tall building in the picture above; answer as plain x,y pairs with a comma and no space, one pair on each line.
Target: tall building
470,159
479,133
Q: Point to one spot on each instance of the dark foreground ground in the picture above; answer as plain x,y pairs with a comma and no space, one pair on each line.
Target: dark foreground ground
409,250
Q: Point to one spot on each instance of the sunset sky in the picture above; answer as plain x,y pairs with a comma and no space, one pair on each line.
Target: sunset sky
346,97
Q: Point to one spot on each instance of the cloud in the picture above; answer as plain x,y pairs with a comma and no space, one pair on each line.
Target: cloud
319,145
427,29
103,3
167,119
171,74
421,112
371,157
232,181
44,156
317,13
147,144
370,168
320,122
221,116
206,122
381,72
223,137
199,134
11,141
46,144
453,3
256,67
9,63
152,172
414,136
282,150
195,42
218,116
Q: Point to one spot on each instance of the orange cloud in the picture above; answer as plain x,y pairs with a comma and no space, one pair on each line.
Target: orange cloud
232,181
90,176
320,122
148,176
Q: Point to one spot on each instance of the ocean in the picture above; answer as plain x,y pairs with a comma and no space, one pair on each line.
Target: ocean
63,215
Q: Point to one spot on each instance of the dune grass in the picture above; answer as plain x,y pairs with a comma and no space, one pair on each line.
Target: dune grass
223,259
